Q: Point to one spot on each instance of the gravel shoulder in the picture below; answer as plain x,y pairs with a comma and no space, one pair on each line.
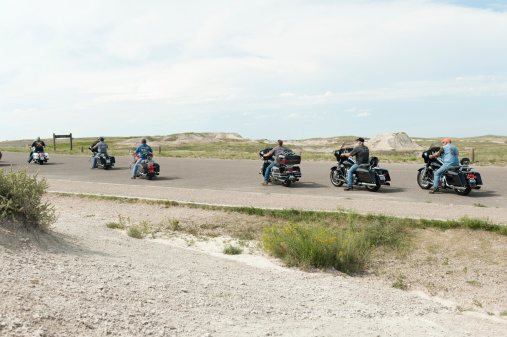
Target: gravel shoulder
84,279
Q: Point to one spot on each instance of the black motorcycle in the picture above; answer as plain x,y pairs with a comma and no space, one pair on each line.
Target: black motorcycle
369,175
285,171
460,178
104,161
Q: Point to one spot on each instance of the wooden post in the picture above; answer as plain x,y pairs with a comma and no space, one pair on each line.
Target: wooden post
472,155
81,148
54,142
71,141
159,149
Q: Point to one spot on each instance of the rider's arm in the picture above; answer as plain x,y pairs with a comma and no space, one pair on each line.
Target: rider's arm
436,154
269,153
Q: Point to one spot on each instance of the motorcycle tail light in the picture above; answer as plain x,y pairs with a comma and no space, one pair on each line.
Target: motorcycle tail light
290,170
471,176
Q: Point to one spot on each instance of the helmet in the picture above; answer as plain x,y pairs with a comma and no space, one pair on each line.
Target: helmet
143,141
101,139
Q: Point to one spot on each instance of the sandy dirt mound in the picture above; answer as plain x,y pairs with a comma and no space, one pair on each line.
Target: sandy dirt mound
393,141
181,138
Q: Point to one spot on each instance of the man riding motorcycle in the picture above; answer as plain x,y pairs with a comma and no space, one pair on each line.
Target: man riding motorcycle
276,151
38,146
142,150
450,158
362,154
101,147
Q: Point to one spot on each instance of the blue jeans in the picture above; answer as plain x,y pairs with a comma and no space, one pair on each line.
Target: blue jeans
135,166
95,160
350,174
31,157
268,171
438,173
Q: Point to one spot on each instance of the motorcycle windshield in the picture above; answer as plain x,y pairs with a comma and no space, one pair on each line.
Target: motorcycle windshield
435,145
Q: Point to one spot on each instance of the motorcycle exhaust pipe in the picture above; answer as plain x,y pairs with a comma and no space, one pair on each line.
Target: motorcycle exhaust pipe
457,187
366,184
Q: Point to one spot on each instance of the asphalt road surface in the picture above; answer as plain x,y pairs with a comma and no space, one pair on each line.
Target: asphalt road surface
243,176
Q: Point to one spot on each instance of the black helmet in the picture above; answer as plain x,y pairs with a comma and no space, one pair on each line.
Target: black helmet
101,139
143,141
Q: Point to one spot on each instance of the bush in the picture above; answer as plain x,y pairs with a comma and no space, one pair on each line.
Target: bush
302,246
135,233
21,199
232,250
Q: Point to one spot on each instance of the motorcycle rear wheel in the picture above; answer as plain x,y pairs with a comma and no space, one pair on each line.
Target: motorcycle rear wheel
423,181
149,176
334,176
287,183
41,162
373,188
107,167
465,191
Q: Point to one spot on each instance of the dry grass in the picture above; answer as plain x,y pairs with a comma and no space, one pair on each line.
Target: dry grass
460,265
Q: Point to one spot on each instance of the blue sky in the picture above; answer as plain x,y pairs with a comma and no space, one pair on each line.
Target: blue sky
264,69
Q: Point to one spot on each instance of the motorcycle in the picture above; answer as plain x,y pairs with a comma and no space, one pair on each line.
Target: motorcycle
285,171
369,175
104,161
147,168
461,178
39,157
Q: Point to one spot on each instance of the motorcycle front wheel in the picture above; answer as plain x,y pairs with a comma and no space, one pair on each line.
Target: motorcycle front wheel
334,177
423,181
465,191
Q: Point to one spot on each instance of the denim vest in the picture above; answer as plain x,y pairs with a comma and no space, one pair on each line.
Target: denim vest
450,155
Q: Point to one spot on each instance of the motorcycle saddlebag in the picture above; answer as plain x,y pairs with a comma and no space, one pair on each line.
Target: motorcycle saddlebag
157,167
366,176
455,178
385,173
112,159
478,178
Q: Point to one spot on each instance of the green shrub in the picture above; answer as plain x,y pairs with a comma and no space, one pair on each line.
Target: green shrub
232,250
21,199
135,233
312,245
114,225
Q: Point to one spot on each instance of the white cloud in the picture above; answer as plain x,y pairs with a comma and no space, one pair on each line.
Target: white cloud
363,114
230,56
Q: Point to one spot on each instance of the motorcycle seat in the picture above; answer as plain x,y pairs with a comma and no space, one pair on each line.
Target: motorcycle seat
364,166
453,168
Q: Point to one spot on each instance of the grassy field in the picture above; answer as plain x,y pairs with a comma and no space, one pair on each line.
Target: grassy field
489,150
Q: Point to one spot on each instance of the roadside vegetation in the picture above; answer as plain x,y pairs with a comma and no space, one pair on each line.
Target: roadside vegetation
489,150
344,240
21,200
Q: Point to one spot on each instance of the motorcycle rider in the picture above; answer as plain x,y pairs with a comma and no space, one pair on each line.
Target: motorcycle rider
143,150
95,143
276,151
362,154
450,158
101,147
38,145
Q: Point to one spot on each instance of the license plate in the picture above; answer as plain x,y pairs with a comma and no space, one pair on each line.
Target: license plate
108,161
472,182
382,177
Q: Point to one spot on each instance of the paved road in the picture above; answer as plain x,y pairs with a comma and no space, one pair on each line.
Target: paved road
243,176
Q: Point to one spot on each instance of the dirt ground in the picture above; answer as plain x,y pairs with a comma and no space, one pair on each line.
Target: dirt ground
84,279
